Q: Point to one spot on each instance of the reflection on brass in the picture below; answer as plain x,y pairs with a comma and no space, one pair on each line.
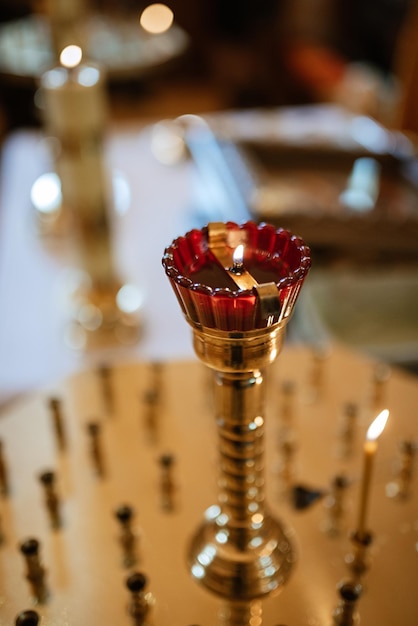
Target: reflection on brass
268,302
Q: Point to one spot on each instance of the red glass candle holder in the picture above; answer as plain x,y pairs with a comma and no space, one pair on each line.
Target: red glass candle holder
208,295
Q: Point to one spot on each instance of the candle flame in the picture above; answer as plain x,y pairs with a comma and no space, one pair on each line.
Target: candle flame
377,426
238,255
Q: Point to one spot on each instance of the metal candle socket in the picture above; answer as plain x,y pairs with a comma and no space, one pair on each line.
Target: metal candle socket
240,551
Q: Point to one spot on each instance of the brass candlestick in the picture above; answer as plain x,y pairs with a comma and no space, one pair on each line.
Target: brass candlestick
35,571
105,311
401,486
334,505
358,560
345,613
240,551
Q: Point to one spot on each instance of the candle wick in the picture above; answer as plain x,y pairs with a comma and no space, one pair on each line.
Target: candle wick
237,268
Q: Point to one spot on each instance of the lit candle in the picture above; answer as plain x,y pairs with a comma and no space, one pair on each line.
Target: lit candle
238,259
237,277
370,446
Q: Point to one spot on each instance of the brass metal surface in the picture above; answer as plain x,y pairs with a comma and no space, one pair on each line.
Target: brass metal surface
231,351
83,560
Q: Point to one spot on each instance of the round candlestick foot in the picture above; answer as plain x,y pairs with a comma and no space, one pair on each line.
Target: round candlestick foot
241,563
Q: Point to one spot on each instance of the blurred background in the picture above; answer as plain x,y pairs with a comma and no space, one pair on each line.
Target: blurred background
238,54
302,113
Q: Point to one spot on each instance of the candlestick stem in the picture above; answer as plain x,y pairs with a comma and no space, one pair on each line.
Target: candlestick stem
240,551
241,434
358,560
345,613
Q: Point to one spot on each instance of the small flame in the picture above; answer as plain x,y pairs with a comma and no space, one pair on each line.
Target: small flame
238,255
377,426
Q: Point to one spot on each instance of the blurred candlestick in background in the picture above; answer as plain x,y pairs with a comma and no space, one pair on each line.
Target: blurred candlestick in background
66,20
75,115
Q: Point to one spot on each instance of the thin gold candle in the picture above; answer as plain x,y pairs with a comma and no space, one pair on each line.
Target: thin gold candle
370,446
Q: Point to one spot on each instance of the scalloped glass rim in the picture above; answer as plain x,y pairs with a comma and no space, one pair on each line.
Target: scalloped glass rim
294,277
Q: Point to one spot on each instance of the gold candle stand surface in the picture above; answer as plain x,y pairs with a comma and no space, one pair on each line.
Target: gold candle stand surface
83,558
